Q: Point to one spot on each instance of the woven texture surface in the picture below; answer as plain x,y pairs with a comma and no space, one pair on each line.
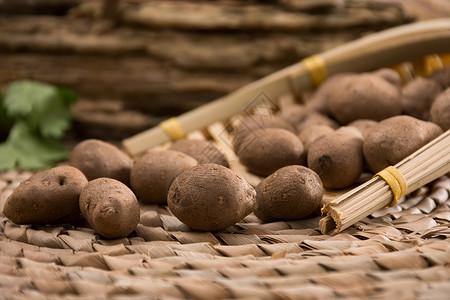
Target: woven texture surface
399,252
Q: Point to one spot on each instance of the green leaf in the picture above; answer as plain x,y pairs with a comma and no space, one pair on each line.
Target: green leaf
26,97
7,157
51,120
26,150
45,107
67,95
5,121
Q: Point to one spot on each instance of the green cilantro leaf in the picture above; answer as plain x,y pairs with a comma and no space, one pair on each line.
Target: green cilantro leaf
37,115
25,149
44,106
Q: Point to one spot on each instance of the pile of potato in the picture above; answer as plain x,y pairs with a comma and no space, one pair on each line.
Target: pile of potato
353,123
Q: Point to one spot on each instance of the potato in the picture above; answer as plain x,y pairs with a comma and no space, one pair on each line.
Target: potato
210,197
440,110
389,75
255,122
153,172
291,193
96,158
417,97
442,77
319,101
337,158
364,96
311,133
203,151
110,207
315,118
364,126
395,138
47,197
267,150
294,114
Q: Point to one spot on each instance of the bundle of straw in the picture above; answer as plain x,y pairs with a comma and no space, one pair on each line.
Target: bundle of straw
423,166
392,46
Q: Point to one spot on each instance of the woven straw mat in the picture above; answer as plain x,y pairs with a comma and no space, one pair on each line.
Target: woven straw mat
397,253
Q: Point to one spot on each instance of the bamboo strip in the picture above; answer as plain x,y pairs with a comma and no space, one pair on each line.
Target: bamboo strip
385,48
423,166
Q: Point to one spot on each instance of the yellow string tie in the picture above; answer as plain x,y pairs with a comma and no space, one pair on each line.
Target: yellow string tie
316,67
396,182
173,128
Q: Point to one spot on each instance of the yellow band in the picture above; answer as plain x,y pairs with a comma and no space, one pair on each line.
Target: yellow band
317,68
173,128
396,182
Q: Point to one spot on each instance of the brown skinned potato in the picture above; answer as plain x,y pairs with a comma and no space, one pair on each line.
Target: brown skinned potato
291,193
96,158
153,172
203,151
311,133
255,122
440,110
110,207
337,158
266,150
395,138
210,197
364,96
47,197
364,126
417,97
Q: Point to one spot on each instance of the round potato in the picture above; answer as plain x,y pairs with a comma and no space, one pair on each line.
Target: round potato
395,138
267,150
417,97
311,133
210,197
47,197
110,207
153,172
291,193
337,158
364,96
364,126
203,151
256,122
96,158
440,110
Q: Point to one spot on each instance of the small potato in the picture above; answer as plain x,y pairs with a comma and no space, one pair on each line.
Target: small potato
153,172
96,158
267,150
294,114
364,126
337,158
255,122
440,110
395,138
110,207
418,96
442,77
311,133
364,96
315,118
319,101
210,197
389,75
203,151
291,193
47,197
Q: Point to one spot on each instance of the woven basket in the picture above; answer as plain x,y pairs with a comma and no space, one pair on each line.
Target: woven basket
400,252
